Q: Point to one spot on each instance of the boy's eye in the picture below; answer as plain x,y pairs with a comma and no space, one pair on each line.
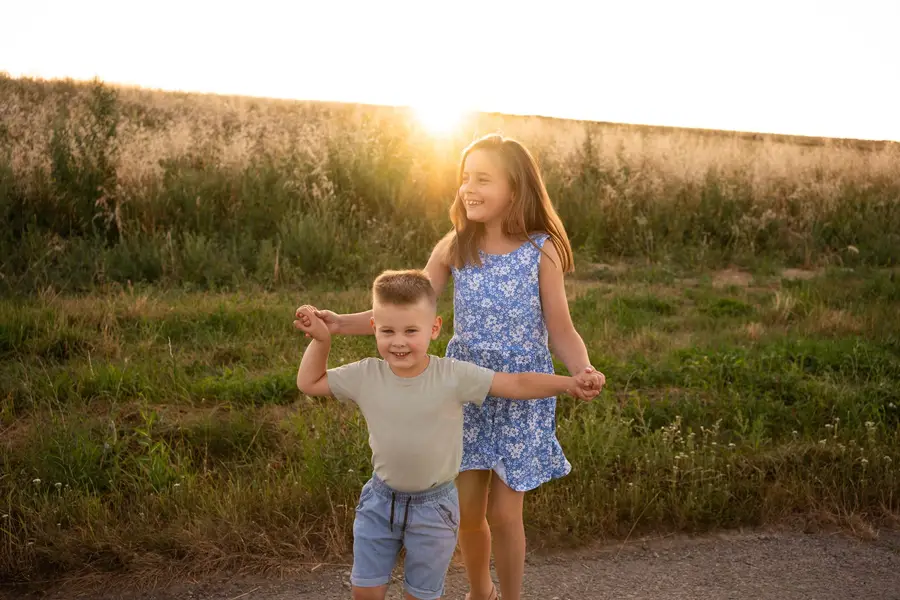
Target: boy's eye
484,180
411,331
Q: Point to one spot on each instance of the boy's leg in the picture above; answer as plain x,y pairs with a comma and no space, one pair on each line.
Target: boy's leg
375,546
369,593
430,541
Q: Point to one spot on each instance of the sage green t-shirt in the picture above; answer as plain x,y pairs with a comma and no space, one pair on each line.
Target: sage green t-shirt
415,424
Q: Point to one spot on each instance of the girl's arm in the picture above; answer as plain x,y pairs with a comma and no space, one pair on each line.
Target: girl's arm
565,342
361,323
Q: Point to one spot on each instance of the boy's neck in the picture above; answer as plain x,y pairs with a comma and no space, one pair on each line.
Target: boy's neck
413,371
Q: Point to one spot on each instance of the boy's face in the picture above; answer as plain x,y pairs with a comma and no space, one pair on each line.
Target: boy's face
404,333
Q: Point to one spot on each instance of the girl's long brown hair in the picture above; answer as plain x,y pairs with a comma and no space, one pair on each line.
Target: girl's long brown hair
531,210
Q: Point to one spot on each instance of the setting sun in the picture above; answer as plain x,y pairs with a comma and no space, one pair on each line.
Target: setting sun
438,118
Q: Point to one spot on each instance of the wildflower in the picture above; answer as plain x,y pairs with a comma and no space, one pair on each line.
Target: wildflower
891,405
58,485
887,459
870,425
794,433
823,442
5,516
864,462
177,485
36,481
731,445
829,426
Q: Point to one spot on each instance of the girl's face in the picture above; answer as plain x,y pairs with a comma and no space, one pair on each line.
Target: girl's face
485,190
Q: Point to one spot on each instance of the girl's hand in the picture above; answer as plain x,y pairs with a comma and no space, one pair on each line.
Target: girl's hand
331,319
598,379
589,384
307,322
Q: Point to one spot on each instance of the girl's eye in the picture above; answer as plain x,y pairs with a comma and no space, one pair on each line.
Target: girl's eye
411,331
484,180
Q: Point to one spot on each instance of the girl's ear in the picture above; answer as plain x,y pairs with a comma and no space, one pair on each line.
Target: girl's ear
372,322
436,328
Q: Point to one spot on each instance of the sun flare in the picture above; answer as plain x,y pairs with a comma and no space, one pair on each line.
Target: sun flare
438,118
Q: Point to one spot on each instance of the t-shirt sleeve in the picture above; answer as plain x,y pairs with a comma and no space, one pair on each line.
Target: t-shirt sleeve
346,381
473,383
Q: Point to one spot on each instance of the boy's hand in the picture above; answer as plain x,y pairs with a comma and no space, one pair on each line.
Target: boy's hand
589,384
307,322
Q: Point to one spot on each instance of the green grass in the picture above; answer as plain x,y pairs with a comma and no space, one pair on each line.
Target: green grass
107,188
164,426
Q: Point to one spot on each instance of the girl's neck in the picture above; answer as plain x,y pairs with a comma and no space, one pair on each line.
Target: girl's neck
495,241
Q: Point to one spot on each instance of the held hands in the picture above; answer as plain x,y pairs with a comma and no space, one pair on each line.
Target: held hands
307,322
588,384
332,320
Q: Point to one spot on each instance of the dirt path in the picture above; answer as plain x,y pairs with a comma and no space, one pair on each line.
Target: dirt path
763,566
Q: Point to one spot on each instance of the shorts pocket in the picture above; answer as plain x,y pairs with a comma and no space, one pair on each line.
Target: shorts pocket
449,513
364,495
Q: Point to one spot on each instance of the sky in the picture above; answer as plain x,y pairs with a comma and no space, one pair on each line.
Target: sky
800,67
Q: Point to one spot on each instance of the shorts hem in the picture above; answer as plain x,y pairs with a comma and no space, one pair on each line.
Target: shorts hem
423,594
370,582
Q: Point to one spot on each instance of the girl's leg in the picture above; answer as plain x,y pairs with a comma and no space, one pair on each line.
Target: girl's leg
505,516
474,533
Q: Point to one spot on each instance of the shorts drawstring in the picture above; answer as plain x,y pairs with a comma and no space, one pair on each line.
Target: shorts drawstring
405,513
393,499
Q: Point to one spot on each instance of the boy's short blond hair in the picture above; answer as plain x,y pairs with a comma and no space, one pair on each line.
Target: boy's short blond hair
403,288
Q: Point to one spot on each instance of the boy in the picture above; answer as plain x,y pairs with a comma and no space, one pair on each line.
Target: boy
413,406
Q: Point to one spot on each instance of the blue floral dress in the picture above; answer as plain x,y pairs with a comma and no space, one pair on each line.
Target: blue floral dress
499,324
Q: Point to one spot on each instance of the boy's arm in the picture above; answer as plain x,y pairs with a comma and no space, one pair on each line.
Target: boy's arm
312,378
528,386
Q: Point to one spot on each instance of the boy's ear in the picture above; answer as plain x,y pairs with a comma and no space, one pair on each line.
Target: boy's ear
436,328
372,322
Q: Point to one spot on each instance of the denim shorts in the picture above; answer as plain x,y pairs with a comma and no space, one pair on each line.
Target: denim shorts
425,523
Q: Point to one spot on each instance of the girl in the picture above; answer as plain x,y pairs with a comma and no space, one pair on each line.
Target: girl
508,298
